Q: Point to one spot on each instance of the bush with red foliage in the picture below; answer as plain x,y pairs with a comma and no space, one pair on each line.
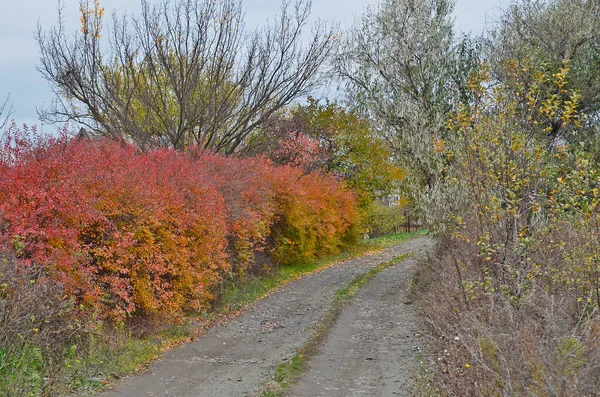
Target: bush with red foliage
124,232
129,233
281,210
247,190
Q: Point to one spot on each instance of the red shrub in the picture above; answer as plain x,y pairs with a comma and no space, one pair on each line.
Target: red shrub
249,198
125,232
140,233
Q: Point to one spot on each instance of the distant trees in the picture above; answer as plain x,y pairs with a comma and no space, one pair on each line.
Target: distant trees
327,138
331,139
183,72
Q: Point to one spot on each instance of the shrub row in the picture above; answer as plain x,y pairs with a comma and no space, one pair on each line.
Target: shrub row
128,233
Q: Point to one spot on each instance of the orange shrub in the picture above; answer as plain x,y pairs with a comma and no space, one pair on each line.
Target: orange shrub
315,216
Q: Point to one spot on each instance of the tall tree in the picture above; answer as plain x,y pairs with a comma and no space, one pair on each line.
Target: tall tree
184,71
403,68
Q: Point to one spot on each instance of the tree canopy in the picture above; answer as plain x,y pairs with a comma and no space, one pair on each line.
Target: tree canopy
549,35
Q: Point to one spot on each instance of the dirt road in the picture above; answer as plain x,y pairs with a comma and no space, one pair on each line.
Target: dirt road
235,359
370,351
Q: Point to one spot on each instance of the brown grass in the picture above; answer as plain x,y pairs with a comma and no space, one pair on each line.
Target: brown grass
484,343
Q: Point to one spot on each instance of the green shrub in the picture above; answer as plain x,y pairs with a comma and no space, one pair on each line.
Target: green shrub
383,219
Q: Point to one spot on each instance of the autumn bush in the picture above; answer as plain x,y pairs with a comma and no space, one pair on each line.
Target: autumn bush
247,189
98,239
141,234
123,232
518,259
314,216
280,212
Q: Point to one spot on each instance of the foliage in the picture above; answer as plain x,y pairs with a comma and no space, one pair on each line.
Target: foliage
123,231
247,188
518,260
329,138
507,176
315,217
401,68
130,233
545,34
48,347
384,219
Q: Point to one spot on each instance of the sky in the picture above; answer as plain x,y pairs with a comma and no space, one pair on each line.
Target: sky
19,53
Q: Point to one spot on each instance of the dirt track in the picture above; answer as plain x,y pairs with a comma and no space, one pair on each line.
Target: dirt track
236,359
370,351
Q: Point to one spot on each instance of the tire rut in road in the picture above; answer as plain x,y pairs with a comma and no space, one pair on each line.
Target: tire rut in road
370,351
236,358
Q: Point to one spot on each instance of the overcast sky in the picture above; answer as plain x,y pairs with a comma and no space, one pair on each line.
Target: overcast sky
19,53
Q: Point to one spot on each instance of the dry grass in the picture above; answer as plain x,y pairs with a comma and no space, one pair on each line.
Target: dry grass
484,343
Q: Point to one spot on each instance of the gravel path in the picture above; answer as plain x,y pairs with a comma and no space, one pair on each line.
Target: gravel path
235,359
371,349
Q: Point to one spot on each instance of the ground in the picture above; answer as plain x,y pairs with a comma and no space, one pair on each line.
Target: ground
368,352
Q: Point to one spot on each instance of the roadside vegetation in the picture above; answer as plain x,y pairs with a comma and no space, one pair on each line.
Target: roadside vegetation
96,235
168,213
499,135
199,183
45,353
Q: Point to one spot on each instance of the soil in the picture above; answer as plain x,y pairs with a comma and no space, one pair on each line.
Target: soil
368,351
371,349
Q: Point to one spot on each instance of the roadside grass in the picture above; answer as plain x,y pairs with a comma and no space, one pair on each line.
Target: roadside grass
101,356
288,373
104,356
422,379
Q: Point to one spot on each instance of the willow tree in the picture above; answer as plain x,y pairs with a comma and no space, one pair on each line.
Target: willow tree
403,68
184,71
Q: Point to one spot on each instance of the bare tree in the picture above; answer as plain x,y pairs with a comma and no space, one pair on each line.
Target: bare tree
5,112
183,72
